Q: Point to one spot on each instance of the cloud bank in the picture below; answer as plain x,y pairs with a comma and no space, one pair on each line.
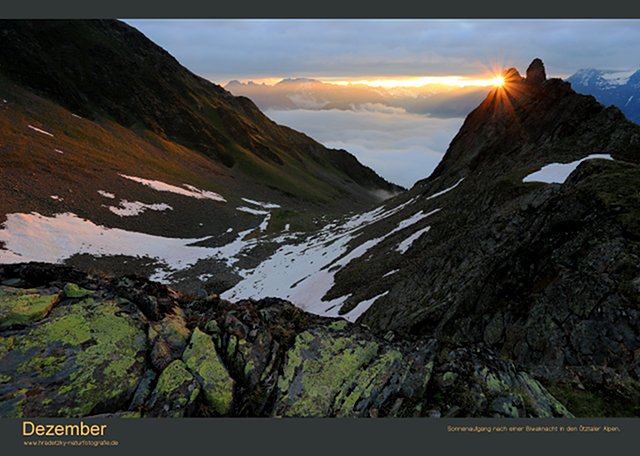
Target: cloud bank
400,146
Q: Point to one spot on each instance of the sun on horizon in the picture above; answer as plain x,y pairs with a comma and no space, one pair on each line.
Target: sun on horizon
498,81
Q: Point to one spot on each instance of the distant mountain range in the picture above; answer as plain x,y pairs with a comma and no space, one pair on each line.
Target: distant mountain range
302,93
618,88
610,87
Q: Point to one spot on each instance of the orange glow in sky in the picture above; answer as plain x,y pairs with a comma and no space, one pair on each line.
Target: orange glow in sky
399,82
498,81
454,81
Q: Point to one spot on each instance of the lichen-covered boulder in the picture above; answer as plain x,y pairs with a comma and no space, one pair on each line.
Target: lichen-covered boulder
23,306
474,382
86,350
336,371
169,337
204,363
72,290
175,393
85,357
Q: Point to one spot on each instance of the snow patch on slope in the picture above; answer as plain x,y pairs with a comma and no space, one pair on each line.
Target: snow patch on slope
408,242
131,208
250,210
261,204
35,237
557,173
185,190
362,307
303,273
40,130
106,194
446,190
617,78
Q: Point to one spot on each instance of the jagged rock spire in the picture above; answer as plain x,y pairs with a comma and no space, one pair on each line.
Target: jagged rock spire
536,73
511,75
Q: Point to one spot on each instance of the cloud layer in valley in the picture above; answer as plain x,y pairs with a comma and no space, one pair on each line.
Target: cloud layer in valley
400,146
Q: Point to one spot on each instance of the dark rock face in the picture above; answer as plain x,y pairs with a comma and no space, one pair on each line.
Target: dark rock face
264,358
536,73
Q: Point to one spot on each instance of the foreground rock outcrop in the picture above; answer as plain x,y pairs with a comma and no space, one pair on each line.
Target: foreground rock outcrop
75,345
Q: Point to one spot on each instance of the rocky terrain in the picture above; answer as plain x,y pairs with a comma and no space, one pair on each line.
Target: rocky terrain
75,345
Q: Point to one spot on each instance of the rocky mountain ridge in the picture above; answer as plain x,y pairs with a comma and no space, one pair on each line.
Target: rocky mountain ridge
108,69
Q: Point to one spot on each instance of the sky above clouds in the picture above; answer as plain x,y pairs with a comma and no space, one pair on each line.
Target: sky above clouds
221,50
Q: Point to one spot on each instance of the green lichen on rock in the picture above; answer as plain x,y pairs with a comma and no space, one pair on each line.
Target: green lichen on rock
175,392
318,368
367,382
72,290
21,307
168,337
338,325
539,401
517,393
212,328
448,378
507,406
173,329
174,376
231,346
95,350
6,344
492,382
203,361
249,367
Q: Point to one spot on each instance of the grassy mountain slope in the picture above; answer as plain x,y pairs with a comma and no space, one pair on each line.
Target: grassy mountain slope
107,72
